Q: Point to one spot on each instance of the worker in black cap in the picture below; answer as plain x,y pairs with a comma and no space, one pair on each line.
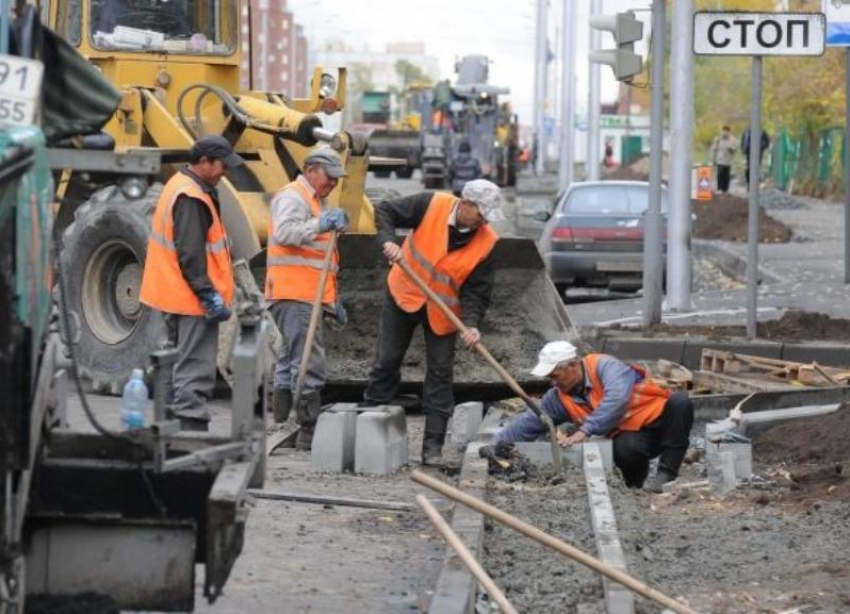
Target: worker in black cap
188,274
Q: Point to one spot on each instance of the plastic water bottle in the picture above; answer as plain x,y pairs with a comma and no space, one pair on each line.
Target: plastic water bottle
134,402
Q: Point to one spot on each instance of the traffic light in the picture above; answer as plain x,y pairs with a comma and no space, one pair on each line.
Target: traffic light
626,29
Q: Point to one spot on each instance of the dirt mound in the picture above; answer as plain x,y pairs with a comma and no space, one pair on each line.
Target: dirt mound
792,326
816,455
725,219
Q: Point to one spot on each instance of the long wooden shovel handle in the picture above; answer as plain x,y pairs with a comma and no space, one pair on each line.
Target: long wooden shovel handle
314,319
549,541
434,298
544,418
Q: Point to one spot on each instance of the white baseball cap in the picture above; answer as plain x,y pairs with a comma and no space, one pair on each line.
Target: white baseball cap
553,354
487,196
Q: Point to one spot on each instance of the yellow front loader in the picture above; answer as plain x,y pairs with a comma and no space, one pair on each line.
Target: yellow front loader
177,64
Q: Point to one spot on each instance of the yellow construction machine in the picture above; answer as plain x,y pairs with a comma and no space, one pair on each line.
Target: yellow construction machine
177,65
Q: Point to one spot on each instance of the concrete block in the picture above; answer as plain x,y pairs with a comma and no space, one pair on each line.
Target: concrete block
380,446
333,441
645,349
540,452
466,421
727,464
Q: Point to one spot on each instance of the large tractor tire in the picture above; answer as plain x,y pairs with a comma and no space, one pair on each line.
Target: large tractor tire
382,173
405,172
102,262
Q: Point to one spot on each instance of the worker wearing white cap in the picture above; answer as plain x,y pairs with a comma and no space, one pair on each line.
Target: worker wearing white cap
601,395
450,247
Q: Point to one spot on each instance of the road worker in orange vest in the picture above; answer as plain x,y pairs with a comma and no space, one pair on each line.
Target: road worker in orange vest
450,247
188,274
601,395
299,232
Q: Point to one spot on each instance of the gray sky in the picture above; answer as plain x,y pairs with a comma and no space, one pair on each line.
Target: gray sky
504,30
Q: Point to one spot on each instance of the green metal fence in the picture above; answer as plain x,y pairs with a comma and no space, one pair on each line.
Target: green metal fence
811,164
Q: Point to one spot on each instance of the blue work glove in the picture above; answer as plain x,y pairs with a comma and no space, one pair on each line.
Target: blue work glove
216,310
336,316
333,219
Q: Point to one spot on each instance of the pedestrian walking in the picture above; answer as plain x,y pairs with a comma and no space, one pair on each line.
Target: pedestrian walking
722,154
298,240
745,148
450,247
188,274
464,168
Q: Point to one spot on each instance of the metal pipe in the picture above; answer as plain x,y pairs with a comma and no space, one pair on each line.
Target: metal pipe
566,161
652,263
681,141
539,87
753,221
593,111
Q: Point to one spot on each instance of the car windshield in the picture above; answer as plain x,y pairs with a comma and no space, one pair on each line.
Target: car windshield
170,26
610,200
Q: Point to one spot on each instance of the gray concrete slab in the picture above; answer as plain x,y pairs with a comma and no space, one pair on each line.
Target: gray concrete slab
540,452
618,599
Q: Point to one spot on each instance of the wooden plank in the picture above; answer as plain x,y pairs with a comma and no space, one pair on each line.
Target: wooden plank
727,383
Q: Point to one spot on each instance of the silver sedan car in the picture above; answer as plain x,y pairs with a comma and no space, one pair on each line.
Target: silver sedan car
594,235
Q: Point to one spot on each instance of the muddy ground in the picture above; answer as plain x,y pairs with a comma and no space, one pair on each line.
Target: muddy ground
780,546
792,326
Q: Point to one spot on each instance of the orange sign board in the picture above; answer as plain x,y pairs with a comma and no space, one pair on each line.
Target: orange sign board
703,184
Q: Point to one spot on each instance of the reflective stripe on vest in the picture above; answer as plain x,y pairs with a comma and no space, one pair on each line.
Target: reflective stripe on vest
426,251
163,285
293,272
645,404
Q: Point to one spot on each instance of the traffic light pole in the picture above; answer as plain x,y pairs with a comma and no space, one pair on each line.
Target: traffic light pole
681,141
847,166
568,96
540,89
754,178
593,111
652,244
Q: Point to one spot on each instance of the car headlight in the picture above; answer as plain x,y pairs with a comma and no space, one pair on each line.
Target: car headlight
327,86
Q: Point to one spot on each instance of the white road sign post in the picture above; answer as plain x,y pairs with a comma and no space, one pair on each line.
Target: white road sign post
757,35
838,35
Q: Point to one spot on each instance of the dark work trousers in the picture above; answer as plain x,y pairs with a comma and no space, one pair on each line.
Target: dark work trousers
723,176
394,337
667,437
293,321
196,341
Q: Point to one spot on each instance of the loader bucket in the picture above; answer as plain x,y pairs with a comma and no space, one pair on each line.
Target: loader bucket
525,312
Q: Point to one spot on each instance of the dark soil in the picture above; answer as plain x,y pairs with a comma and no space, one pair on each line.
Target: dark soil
725,218
84,603
792,326
816,454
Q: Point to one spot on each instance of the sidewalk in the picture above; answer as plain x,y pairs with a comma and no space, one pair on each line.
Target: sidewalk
810,269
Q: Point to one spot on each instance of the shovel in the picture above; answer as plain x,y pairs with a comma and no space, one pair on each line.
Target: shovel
506,377
314,320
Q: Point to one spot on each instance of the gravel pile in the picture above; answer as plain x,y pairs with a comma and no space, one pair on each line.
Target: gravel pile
771,198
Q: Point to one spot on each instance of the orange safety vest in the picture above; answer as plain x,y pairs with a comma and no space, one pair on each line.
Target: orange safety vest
644,406
426,251
293,271
163,285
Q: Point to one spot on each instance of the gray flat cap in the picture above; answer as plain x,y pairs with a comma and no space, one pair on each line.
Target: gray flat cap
329,160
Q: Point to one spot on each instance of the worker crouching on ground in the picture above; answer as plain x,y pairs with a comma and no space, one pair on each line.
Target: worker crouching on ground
602,395
450,248
189,277
298,239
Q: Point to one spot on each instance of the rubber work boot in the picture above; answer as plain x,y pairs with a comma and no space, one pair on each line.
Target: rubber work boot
308,410
435,437
282,403
656,483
